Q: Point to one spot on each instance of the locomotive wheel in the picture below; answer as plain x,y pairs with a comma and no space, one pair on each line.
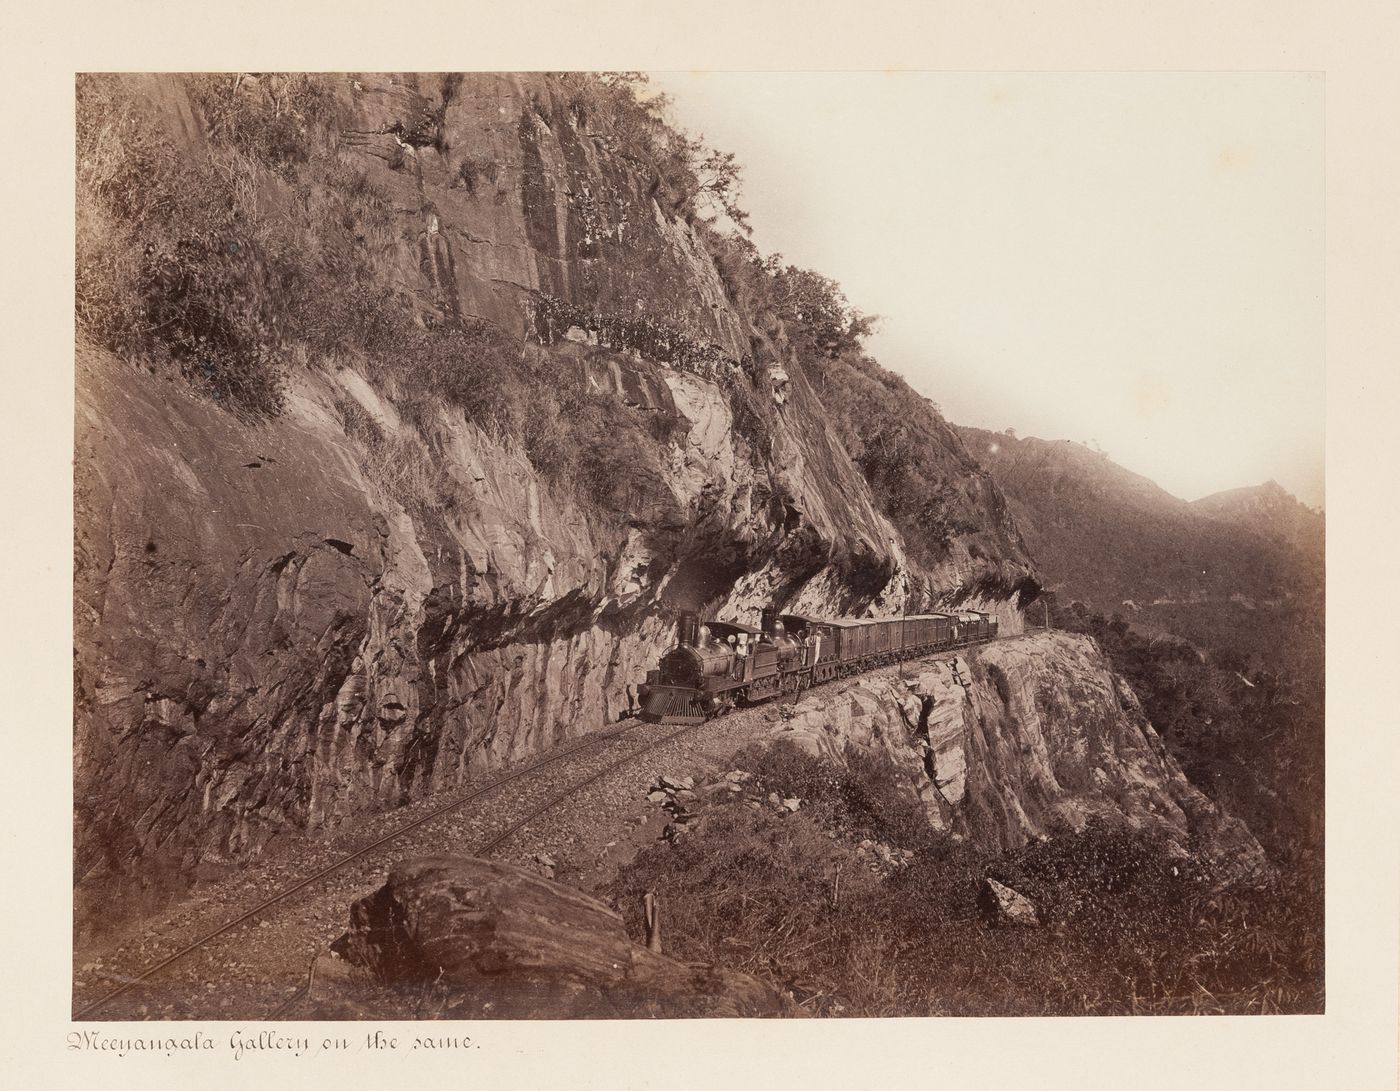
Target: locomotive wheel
725,704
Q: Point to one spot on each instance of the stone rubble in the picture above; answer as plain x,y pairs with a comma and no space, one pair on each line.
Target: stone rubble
681,799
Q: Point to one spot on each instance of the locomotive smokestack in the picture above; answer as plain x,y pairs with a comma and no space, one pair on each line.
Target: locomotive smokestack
767,618
688,630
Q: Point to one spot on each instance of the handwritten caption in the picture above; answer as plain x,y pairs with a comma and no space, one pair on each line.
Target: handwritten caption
242,1044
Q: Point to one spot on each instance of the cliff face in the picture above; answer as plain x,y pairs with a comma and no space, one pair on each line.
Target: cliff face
285,621
1020,739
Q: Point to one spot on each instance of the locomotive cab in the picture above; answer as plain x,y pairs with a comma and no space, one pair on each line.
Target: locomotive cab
752,652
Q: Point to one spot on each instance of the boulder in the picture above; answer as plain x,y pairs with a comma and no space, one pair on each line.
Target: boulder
545,864
1001,906
491,940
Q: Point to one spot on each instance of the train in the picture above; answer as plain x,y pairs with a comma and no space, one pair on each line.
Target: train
718,664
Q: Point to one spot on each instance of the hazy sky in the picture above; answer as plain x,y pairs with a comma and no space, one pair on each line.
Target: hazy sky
1130,259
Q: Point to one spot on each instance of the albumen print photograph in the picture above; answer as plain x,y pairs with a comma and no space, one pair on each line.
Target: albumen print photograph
619,545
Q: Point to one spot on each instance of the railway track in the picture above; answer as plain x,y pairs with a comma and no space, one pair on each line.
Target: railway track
290,1004
189,978
207,975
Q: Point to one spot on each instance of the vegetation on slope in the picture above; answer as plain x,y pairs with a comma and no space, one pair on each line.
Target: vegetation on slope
1251,739
1127,928
1115,541
918,469
262,250
1216,623
1214,611
259,247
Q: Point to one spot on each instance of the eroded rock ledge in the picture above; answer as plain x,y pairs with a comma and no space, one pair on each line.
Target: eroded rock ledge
1019,739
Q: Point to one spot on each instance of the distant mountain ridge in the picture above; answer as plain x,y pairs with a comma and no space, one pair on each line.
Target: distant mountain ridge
1231,570
1271,511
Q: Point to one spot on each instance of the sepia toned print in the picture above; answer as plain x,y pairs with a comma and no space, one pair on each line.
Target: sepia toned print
507,588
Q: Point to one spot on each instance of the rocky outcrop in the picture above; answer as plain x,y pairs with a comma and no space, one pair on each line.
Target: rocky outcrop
490,940
1020,739
286,622
1002,907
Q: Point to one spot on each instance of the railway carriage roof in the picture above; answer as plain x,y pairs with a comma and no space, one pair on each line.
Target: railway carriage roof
859,622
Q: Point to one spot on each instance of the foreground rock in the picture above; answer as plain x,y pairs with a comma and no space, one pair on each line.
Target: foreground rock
1003,907
465,938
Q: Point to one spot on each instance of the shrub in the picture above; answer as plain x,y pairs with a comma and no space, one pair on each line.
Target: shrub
472,169
867,797
785,768
174,260
1129,928
268,118
357,422
769,897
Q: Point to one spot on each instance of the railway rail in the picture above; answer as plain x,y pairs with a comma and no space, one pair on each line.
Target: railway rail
288,1005
588,746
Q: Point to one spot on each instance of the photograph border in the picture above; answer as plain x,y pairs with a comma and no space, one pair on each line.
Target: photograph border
1353,1045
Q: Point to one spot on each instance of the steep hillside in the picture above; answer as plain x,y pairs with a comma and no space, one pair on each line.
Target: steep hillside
1271,512
1239,571
856,851
836,859
409,411
1018,740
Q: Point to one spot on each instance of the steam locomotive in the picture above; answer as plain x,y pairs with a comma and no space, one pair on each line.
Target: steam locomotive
720,663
